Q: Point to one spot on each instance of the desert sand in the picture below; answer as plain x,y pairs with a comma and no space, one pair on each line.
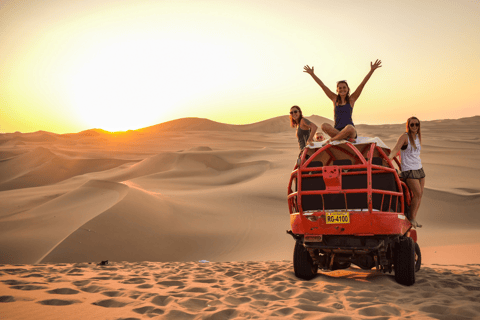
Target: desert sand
156,201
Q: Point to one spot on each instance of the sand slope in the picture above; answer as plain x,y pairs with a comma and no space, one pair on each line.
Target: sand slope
216,192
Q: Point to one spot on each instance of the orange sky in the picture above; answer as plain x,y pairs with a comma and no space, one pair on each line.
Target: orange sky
69,66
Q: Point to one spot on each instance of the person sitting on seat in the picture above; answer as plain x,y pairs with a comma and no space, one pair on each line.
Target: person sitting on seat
410,144
343,104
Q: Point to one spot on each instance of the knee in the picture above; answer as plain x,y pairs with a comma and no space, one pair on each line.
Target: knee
350,128
325,126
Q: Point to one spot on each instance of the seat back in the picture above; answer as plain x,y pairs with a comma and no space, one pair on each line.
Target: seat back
384,181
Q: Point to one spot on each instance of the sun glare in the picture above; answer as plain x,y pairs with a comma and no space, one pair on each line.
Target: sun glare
137,82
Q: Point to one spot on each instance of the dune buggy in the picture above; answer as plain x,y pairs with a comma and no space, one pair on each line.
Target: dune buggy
348,206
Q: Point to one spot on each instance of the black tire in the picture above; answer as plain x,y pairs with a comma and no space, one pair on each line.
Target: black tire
404,261
418,257
302,262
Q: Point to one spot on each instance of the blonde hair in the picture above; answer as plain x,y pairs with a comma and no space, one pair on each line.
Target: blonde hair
410,133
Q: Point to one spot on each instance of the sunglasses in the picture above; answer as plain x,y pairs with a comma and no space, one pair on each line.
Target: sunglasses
294,111
414,125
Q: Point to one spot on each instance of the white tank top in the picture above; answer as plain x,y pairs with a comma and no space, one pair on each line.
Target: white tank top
411,157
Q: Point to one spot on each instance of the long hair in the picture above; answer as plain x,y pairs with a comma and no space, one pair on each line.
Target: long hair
293,122
347,98
410,133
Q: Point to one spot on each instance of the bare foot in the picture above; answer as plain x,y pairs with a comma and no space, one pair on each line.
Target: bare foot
351,140
415,224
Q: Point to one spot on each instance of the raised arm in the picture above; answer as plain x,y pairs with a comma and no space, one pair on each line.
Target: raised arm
313,129
332,96
401,141
373,67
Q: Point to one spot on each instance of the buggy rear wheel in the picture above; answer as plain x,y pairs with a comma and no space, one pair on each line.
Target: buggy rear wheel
404,261
418,257
303,263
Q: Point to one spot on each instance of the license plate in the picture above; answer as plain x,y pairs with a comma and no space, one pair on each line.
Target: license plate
337,217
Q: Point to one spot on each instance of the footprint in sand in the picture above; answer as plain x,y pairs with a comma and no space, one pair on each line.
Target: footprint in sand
171,283
194,304
93,289
81,283
7,299
162,300
58,302
112,294
110,303
236,301
206,280
149,310
34,275
63,291
282,312
75,272
134,281
380,311
28,287
177,314
14,282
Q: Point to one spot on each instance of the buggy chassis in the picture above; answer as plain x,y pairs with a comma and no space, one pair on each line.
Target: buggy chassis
348,206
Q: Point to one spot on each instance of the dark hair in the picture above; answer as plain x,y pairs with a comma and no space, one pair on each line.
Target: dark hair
293,122
347,98
410,134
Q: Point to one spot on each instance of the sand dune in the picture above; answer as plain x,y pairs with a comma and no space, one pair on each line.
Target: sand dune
40,167
37,231
192,190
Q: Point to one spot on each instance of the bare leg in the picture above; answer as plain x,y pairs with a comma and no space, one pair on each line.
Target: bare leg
422,185
415,186
348,132
329,129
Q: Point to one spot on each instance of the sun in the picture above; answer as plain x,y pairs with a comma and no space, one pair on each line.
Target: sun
132,83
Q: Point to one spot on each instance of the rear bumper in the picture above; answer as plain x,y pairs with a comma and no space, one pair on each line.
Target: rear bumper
361,224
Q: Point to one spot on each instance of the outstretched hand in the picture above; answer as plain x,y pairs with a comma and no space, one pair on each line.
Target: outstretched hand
308,70
377,64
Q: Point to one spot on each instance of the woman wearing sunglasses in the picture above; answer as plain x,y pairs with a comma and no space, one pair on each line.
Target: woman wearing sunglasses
305,128
343,104
409,144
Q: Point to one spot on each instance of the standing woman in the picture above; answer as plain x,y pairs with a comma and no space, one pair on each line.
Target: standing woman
343,104
305,128
410,144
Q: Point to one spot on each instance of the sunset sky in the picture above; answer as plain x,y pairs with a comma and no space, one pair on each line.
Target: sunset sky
67,66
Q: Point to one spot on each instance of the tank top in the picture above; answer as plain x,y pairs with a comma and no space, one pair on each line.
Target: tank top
411,157
302,136
343,116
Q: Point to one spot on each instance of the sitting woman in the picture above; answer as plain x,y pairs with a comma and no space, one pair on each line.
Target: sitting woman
305,128
343,104
410,144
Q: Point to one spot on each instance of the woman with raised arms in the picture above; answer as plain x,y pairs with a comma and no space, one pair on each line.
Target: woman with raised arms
343,104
